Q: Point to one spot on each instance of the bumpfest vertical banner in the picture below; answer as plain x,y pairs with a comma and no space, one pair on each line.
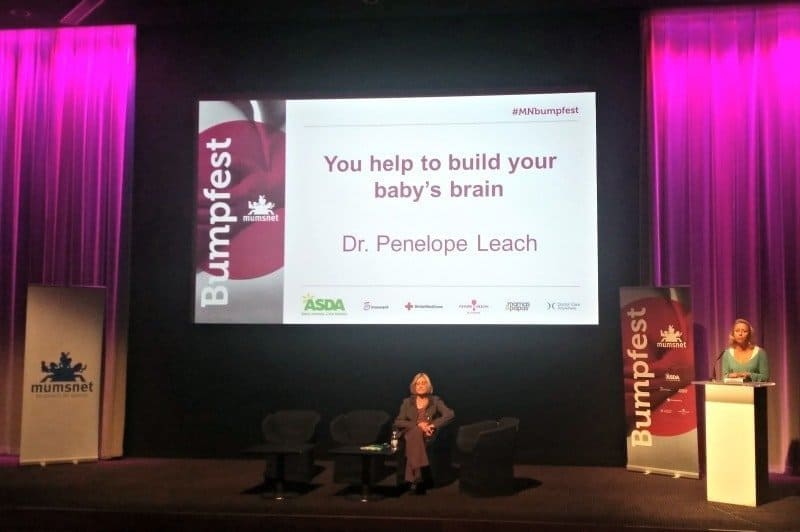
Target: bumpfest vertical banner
658,366
240,211
62,375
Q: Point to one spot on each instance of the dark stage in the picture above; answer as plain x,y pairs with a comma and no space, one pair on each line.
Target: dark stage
159,494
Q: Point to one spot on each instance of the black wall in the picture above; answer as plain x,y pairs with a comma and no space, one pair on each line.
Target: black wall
197,390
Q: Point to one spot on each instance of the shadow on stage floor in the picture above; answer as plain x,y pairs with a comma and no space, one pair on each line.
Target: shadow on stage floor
163,494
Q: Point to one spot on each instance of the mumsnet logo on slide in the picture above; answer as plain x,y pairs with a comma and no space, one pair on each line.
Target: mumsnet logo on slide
261,211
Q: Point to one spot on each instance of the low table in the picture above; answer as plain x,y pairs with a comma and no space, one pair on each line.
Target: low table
367,454
279,451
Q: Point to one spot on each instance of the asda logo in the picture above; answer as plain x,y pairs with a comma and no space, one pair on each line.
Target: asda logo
323,305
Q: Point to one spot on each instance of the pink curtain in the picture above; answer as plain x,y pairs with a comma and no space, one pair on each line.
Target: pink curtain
66,113
723,105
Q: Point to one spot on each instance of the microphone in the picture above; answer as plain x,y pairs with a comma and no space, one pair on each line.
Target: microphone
714,365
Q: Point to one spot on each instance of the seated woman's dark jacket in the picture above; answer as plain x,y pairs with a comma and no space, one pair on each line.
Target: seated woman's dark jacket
437,413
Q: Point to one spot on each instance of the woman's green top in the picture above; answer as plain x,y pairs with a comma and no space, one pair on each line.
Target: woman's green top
757,365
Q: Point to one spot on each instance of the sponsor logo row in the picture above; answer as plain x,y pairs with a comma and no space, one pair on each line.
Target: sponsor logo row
332,306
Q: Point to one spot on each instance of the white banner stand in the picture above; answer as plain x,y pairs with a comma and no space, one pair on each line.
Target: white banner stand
658,370
61,379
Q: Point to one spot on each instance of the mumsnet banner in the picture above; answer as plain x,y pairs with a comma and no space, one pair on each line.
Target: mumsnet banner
658,365
61,387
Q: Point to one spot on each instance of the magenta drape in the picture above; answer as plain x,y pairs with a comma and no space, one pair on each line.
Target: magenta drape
66,112
723,111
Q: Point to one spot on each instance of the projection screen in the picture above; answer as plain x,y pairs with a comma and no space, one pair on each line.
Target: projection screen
423,210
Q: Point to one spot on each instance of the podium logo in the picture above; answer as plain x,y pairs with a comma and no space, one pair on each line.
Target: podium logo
671,338
261,211
62,372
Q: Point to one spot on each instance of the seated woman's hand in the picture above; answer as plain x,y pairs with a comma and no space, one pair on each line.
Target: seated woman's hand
426,428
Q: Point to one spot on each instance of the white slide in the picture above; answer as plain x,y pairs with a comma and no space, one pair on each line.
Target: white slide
435,210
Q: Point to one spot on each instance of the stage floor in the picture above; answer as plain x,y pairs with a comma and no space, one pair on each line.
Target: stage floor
137,493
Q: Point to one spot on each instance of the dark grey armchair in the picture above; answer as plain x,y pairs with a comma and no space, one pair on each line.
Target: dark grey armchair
291,428
359,427
486,450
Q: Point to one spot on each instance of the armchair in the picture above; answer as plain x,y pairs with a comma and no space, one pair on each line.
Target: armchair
358,427
291,428
487,449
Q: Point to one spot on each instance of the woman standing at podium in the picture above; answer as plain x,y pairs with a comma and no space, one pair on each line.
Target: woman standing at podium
743,359
420,416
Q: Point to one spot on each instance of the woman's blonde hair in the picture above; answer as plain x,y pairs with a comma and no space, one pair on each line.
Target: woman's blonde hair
749,334
417,377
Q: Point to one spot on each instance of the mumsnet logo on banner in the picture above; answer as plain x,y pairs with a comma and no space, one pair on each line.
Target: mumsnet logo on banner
63,378
671,338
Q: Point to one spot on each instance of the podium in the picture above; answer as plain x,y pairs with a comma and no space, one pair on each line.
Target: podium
737,470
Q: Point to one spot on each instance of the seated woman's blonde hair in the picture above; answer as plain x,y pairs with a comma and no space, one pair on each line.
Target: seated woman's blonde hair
417,377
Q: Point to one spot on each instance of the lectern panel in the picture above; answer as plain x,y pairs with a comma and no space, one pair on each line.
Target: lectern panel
736,442
730,445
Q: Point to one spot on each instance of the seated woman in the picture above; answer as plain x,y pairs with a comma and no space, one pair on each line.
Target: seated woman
420,416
